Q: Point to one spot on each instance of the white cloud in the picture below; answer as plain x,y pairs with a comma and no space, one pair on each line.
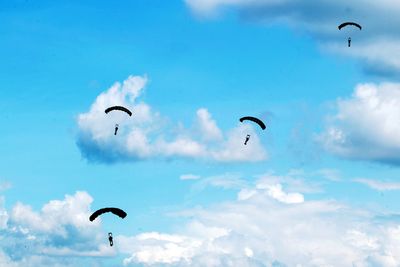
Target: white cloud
280,188
225,181
5,261
189,177
294,180
3,214
169,249
5,185
261,230
379,185
60,234
287,189
377,45
147,135
207,126
249,253
271,186
276,192
269,227
209,7
330,174
56,215
367,125
155,248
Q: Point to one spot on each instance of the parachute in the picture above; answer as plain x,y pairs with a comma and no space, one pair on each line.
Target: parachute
116,211
345,24
253,119
349,23
120,108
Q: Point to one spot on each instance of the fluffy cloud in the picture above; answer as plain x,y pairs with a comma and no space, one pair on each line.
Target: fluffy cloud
55,236
147,134
264,229
367,125
267,225
56,215
377,45
276,192
156,248
207,126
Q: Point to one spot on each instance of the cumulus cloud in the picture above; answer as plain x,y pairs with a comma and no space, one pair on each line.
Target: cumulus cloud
155,248
207,126
276,192
148,135
263,230
377,45
54,236
56,215
268,224
367,125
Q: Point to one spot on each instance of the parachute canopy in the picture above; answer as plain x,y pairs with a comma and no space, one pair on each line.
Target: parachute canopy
258,121
116,211
349,23
118,108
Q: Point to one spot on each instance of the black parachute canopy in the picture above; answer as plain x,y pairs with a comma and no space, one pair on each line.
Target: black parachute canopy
258,121
349,23
118,108
116,211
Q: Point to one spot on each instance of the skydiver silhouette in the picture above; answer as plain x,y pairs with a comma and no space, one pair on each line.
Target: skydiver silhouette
349,41
110,239
116,129
247,139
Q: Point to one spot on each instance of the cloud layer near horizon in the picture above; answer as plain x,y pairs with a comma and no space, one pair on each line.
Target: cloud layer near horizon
267,226
269,223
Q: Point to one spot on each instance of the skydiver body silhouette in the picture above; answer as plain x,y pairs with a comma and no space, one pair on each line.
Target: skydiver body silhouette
247,139
349,41
116,129
110,239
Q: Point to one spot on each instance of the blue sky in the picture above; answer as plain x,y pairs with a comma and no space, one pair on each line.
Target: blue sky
189,70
